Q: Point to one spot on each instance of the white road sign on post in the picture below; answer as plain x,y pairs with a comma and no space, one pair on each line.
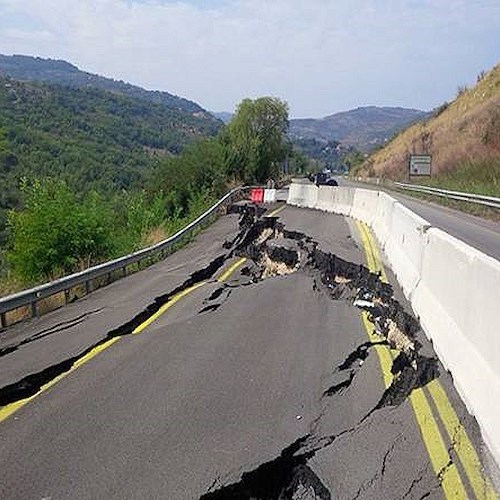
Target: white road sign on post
420,165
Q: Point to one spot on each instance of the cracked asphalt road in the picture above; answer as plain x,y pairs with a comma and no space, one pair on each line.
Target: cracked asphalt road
246,389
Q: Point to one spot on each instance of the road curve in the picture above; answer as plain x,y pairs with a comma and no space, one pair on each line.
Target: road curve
254,376
482,234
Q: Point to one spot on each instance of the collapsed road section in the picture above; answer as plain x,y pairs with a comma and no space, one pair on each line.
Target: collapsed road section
307,460
273,250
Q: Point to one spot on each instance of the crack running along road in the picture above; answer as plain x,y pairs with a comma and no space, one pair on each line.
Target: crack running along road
217,395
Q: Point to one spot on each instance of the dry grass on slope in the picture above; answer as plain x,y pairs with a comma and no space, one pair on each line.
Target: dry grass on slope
465,132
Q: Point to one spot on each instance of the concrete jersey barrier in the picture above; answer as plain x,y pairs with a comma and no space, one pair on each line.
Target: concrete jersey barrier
303,195
456,300
326,198
453,288
404,246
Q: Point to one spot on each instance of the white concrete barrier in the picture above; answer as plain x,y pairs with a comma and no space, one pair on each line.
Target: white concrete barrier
326,198
382,224
364,207
453,288
404,246
269,195
344,199
456,301
302,195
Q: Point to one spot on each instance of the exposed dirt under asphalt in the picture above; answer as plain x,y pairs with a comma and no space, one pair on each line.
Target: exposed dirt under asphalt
298,470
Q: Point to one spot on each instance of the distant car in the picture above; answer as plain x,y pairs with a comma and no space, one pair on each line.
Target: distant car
323,179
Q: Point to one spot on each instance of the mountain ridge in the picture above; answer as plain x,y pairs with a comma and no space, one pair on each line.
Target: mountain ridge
365,127
61,72
465,131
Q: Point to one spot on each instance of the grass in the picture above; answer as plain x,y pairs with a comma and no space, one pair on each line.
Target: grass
481,177
9,285
477,177
464,133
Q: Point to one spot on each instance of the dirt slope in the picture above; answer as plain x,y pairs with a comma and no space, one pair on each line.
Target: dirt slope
464,131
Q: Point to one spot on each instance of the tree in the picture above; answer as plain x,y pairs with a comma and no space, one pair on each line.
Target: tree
256,139
56,232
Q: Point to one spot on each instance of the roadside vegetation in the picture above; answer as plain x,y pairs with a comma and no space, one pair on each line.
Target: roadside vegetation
57,229
463,138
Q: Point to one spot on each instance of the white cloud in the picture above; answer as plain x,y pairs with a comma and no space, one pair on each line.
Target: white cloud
320,55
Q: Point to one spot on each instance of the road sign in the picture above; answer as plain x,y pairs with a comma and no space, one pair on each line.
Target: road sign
420,165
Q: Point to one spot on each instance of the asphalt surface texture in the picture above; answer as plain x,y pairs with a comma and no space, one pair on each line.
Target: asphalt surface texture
479,233
258,380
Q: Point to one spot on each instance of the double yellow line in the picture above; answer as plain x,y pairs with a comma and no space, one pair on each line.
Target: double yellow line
439,454
7,410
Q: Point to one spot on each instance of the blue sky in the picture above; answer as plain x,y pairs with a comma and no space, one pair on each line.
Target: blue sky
321,56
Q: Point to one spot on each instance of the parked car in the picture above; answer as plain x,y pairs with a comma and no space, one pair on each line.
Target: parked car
323,179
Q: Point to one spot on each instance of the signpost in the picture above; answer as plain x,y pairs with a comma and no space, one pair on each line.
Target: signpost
420,165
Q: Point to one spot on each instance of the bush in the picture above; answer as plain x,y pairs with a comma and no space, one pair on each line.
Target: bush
56,233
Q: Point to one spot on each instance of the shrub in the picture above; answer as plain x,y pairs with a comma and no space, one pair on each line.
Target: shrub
56,232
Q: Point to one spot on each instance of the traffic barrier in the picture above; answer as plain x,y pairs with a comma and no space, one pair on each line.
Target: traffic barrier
453,289
456,301
364,206
302,195
256,195
404,246
382,224
269,195
326,198
344,199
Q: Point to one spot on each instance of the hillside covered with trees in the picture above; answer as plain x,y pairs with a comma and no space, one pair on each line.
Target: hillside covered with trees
28,68
86,187
90,138
363,128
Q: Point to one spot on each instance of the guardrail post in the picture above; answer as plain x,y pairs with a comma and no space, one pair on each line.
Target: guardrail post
34,309
66,296
87,287
3,320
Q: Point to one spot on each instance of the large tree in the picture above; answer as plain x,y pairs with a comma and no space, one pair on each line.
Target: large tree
256,139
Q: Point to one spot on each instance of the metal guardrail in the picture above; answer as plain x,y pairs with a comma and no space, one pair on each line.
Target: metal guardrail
31,296
489,201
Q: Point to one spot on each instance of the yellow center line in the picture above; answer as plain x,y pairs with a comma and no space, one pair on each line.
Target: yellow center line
165,307
480,484
276,211
228,272
9,409
442,465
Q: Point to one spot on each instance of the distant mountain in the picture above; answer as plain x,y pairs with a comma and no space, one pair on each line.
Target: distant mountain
27,68
223,116
364,128
463,137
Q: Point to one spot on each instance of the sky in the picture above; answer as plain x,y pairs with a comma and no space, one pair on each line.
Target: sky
321,56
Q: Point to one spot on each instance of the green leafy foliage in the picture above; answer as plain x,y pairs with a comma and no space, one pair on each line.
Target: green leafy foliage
20,67
56,232
92,139
255,139
59,228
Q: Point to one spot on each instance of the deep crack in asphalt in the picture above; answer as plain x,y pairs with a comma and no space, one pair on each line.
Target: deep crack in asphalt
343,280
277,251
277,479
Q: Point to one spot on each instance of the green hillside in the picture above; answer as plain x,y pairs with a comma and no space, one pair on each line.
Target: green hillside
27,68
91,138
